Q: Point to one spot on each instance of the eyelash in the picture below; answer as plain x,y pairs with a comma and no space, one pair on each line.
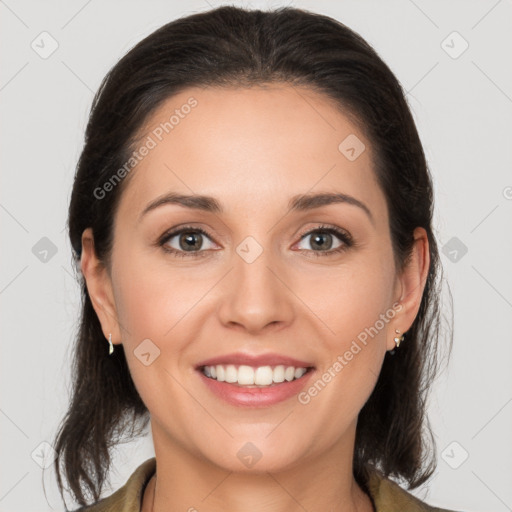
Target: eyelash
344,236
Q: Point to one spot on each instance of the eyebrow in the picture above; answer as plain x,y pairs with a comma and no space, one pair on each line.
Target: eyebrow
301,202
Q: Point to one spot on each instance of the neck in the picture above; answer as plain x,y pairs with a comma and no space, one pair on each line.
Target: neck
184,482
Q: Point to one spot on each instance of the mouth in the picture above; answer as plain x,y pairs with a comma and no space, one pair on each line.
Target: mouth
255,380
246,376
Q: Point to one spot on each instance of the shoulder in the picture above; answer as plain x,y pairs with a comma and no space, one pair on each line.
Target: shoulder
129,497
388,496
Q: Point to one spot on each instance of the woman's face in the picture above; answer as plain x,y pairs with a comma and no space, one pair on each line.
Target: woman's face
266,279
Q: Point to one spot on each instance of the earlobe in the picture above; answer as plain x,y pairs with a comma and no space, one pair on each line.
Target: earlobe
412,284
99,287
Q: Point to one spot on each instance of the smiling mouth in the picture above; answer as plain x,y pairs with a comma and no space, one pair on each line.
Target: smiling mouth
249,376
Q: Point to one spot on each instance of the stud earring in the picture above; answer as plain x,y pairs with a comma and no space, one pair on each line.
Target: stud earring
111,348
397,339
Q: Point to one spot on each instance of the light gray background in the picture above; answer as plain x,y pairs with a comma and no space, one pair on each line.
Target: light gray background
463,110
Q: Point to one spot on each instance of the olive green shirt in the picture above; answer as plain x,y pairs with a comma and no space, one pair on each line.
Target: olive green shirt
386,495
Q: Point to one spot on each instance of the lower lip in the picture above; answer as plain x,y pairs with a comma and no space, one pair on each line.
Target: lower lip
257,396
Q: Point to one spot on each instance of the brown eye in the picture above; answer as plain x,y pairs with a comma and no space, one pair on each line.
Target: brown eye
323,238
190,241
186,240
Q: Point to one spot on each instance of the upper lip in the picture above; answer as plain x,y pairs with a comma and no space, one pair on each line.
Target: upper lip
240,358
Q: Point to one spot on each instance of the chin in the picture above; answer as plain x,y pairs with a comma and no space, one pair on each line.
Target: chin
254,457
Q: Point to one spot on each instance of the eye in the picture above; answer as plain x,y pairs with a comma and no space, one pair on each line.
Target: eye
188,241
323,239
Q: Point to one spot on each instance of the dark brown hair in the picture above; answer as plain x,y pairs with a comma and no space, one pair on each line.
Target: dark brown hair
230,46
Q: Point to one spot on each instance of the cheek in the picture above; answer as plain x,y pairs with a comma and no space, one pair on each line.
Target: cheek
152,304
151,299
355,306
353,354
348,299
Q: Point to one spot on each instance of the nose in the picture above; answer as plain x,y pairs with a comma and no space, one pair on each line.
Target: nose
256,296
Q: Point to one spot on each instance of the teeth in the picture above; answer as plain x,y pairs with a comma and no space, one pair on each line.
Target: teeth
289,373
230,374
248,376
245,375
278,374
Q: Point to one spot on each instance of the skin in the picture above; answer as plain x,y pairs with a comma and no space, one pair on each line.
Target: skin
252,149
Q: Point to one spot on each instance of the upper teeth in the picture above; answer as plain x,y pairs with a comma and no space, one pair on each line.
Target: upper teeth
247,375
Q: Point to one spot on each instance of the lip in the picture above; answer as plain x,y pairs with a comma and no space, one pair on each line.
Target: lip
240,358
256,396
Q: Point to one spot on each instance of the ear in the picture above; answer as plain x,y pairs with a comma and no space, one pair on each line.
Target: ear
411,284
99,286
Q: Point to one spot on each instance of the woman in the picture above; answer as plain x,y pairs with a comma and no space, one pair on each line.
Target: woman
252,217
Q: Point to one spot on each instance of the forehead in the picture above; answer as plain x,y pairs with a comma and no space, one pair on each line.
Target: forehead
249,147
